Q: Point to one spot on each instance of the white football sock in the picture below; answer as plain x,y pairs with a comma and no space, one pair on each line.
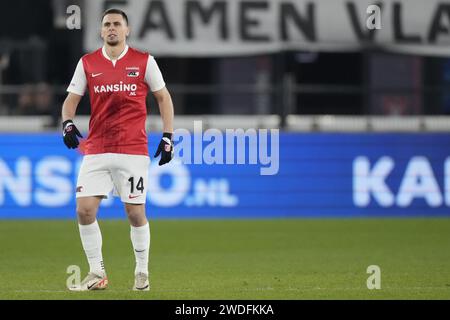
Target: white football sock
91,238
140,238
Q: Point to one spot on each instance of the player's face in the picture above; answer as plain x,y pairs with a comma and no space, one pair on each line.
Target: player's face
114,29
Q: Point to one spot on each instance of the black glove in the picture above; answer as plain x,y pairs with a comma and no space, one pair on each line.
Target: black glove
165,147
70,133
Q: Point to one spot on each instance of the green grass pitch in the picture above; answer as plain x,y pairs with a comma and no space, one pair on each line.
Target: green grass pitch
236,259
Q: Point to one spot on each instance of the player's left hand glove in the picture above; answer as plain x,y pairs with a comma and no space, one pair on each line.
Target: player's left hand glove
165,148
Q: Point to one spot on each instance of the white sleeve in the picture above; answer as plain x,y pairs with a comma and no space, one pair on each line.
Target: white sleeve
153,75
79,81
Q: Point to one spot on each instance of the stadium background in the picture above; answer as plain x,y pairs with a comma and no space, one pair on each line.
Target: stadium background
364,129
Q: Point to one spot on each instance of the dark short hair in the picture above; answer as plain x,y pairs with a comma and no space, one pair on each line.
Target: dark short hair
115,11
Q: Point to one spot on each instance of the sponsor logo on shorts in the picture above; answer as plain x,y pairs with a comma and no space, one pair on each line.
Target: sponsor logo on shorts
79,188
132,197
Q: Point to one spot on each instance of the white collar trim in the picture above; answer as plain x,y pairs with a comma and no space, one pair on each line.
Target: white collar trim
124,52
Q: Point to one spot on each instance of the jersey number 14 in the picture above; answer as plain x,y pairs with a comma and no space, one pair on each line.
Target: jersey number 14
139,185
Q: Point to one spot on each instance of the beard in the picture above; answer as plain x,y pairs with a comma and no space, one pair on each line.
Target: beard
113,43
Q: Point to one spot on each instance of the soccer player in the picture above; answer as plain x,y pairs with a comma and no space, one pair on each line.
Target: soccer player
118,79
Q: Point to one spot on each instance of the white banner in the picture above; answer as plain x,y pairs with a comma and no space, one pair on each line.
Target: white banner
243,27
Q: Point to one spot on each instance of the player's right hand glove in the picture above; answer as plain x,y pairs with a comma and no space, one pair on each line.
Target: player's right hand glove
165,147
70,133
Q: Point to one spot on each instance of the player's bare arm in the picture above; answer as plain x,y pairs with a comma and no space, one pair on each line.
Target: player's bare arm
165,104
70,131
70,105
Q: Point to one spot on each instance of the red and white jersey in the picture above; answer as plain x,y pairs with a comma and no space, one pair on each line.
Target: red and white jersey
117,92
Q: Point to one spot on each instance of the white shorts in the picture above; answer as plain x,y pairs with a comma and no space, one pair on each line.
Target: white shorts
125,174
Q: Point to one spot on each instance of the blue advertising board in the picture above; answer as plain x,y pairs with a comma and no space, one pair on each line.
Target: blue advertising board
282,175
